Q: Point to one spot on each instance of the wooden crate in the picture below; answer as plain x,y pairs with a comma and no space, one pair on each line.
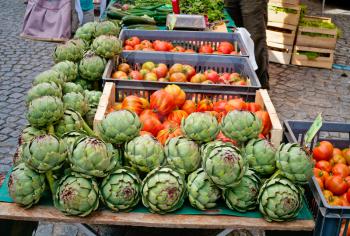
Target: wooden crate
280,53
283,17
280,33
110,91
316,41
286,2
325,60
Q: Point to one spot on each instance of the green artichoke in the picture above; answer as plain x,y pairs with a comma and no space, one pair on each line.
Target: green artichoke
90,116
202,192
70,51
76,102
86,32
93,97
200,127
71,121
44,111
224,165
68,68
279,199
44,153
18,156
71,87
91,67
120,191
163,190
182,154
93,157
50,76
243,197
82,44
260,155
207,147
241,125
107,46
25,185
144,153
43,89
85,84
71,137
119,127
106,28
29,133
76,195
294,163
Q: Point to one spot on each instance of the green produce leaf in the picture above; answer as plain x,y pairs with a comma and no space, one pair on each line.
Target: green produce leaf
315,127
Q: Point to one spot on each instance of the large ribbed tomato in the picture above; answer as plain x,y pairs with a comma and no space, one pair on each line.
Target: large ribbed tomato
265,118
189,106
171,132
178,94
152,125
162,102
253,107
204,105
177,116
235,104
133,103
219,106
147,113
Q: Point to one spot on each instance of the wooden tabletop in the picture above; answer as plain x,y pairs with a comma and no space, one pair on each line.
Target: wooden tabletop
48,213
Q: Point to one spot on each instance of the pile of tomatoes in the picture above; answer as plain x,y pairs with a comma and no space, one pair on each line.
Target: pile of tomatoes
332,172
151,71
161,116
134,43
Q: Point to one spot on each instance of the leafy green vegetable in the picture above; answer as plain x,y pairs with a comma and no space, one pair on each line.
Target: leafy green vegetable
147,3
214,9
319,23
312,55
317,35
277,9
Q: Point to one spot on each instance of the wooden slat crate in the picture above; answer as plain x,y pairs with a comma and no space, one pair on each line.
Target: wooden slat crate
280,33
280,53
325,60
283,17
111,92
286,2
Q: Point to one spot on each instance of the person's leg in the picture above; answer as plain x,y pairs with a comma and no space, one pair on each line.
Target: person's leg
254,15
234,10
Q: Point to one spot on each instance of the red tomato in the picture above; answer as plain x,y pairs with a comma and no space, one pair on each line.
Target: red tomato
127,47
225,47
166,134
204,105
168,124
348,195
189,106
198,78
161,70
160,46
266,121
177,116
178,94
320,182
224,78
337,151
341,170
336,185
324,165
318,173
133,41
146,44
189,71
133,103
212,75
190,51
170,46
323,151
223,138
152,125
178,49
178,77
135,75
219,106
253,107
347,180
235,104
162,102
206,49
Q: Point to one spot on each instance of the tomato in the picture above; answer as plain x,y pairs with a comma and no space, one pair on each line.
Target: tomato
225,47
335,201
161,70
190,51
347,180
148,49
198,78
178,77
168,124
160,46
148,66
124,67
116,107
162,102
336,184
253,107
133,103
323,151
266,121
176,68
145,103
344,200
219,106
318,173
346,154
324,165
148,113
170,46
224,78
189,106
341,170
132,41
145,133
150,76
178,94
320,183
120,75
178,49
327,194
240,83
204,105
235,77
217,52
218,115
152,125
337,151
169,133
129,48
348,195
177,116
337,159
212,75
223,138
189,71
206,49
138,47
146,44
342,229
235,104
135,75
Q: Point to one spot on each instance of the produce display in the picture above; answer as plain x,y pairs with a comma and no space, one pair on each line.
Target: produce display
137,44
332,173
176,73
213,9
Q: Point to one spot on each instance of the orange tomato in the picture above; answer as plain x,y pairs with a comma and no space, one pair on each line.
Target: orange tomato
166,134
133,103
320,183
177,116
204,105
337,159
189,106
341,170
179,96
235,104
337,151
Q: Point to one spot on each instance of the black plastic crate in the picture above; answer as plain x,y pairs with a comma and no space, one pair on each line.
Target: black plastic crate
328,218
200,62
189,39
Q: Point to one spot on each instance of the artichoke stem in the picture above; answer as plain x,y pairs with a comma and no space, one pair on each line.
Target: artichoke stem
51,129
88,129
51,181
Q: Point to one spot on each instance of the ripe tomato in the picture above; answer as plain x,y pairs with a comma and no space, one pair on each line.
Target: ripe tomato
162,102
224,78
235,104
189,106
218,115
204,105
206,49
160,46
150,76
235,77
148,65
189,71
178,77
341,170
146,44
133,103
152,125
166,134
225,47
132,41
135,75
145,103
344,200
320,183
138,47
318,173
337,159
124,67
327,194
219,106
337,151
212,75
129,48
266,121
161,70
170,46
177,116
223,138
168,124
178,49
323,151
178,94
253,107
120,75
148,113
190,51
346,154
324,165
198,78
335,201
177,67
336,184
348,195
347,180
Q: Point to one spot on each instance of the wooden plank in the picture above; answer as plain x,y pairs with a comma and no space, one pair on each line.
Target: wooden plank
325,19
286,38
281,57
319,62
283,17
286,2
48,213
316,41
106,101
220,27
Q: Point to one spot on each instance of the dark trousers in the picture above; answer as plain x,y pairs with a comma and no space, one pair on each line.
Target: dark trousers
252,15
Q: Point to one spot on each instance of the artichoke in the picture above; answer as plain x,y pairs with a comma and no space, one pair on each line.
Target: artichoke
294,163
50,76
91,67
85,84
93,157
93,97
260,155
44,153
279,199
202,193
106,28
25,185
43,89
144,153
71,121
44,111
90,116
68,68
76,102
163,190
70,51
120,191
107,46
201,127
71,87
119,127
207,147
76,195
182,154
241,125
18,156
71,137
86,32
29,133
243,197
224,164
